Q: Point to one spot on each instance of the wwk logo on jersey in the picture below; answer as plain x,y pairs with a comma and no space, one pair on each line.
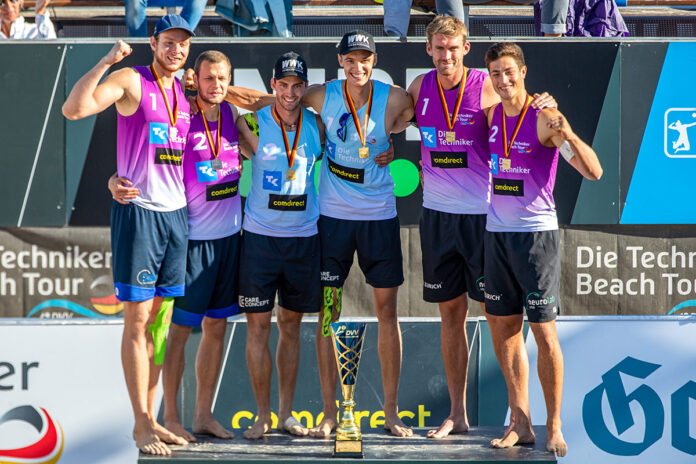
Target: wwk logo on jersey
205,171
429,137
678,132
272,180
159,132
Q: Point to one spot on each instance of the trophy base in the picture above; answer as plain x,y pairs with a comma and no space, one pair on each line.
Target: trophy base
348,449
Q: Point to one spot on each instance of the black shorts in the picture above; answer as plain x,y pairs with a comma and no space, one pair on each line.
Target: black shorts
523,270
452,248
378,244
287,265
211,281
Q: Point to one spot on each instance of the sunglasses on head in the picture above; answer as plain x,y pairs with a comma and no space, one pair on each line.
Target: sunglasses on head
342,131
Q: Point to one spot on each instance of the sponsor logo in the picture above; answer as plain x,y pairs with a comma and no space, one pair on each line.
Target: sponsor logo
494,164
534,300
174,136
515,170
679,132
448,160
428,135
205,171
159,132
221,191
166,155
492,296
358,39
327,277
270,151
521,147
47,448
480,284
622,405
292,65
252,302
349,174
510,187
287,202
272,180
429,286
146,277
343,331
185,115
466,118
226,146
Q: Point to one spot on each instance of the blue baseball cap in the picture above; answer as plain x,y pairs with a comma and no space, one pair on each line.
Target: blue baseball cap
172,21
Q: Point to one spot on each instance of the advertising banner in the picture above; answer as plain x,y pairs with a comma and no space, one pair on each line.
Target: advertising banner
55,273
62,394
629,389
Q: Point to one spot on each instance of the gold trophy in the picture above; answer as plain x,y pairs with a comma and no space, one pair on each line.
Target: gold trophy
348,341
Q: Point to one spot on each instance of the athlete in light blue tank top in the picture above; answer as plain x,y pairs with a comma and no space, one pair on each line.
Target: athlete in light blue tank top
277,205
351,186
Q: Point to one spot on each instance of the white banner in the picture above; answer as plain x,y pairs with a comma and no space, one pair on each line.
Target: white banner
62,394
629,391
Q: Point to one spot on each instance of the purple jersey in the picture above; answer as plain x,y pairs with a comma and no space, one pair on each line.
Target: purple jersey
149,151
212,187
456,175
522,188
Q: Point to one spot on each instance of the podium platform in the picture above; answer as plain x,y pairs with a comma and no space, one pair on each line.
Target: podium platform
471,447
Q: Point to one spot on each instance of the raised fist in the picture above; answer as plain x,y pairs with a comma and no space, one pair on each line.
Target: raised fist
118,52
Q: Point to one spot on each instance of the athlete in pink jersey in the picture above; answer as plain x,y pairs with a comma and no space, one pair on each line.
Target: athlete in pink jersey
149,235
450,108
522,260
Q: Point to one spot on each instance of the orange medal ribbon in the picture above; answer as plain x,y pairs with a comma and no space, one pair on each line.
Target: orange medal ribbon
354,113
166,101
214,148
520,118
290,153
450,122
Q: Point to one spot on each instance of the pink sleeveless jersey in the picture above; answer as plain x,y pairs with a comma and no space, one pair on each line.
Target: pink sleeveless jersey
522,188
456,175
212,187
149,152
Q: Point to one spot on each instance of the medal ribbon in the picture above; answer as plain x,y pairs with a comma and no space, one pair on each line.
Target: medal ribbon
462,84
520,118
214,148
290,153
173,118
354,113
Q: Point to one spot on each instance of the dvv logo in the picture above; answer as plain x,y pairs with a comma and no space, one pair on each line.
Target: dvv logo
680,133
619,401
47,440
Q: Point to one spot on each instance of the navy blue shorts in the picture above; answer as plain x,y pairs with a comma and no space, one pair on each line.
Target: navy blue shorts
378,244
523,272
211,281
149,252
286,265
452,249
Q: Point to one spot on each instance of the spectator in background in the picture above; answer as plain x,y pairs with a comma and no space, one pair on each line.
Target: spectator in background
13,26
136,21
553,15
398,12
585,18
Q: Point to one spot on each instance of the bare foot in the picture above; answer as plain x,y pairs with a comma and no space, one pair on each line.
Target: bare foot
324,429
212,427
167,436
146,440
514,435
293,426
261,426
177,429
397,428
556,444
450,425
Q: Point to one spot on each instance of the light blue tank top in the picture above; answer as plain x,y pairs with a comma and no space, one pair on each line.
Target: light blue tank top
277,206
351,187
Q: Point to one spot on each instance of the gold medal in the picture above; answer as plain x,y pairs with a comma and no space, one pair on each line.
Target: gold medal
291,174
508,146
172,115
290,152
505,164
450,136
364,152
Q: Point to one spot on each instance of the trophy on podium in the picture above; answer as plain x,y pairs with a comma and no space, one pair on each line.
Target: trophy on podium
348,341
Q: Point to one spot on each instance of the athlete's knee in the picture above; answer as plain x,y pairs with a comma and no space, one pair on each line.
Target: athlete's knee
258,325
212,326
